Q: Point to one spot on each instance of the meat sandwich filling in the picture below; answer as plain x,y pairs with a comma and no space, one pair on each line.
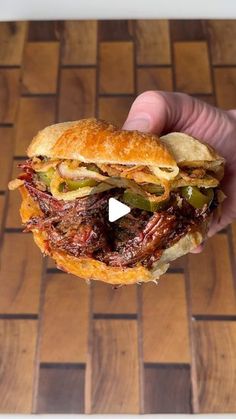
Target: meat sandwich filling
73,198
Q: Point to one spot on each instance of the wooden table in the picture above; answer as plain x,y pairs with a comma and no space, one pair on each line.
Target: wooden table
66,346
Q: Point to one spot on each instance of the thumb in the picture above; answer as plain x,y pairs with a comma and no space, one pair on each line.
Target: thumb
149,113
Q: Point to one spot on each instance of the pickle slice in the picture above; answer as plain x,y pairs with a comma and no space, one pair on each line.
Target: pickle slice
197,198
138,201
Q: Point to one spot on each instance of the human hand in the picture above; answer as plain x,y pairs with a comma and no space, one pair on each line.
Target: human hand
162,112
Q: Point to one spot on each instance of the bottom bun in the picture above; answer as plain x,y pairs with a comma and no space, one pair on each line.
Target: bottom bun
88,268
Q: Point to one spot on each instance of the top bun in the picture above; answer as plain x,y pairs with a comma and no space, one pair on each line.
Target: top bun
97,141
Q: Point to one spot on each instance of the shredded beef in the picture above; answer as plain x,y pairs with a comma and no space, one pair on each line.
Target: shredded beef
81,227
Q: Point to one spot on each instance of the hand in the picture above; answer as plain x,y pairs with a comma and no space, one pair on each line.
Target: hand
162,112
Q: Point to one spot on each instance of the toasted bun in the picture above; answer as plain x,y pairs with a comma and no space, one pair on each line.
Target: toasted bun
88,268
93,140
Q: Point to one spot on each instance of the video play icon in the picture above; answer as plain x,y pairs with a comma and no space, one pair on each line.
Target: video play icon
116,209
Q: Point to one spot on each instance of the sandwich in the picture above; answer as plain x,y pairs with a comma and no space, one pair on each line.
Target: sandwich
171,184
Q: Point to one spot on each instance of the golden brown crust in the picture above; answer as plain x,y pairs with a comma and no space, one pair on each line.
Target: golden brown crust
87,268
92,140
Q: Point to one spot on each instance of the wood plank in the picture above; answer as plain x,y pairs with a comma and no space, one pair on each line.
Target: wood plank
2,204
153,42
34,114
178,264
12,38
77,94
6,153
222,35
13,219
115,109
106,299
192,67
40,67
187,30
114,377
40,30
165,336
79,42
61,389
116,30
233,229
167,389
17,348
9,94
116,72
225,85
65,315
150,78
20,280
215,347
212,290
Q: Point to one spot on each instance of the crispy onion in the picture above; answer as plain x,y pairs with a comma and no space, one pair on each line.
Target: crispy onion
14,184
165,173
68,172
43,166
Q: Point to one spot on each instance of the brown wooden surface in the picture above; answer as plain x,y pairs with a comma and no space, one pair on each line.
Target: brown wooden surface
164,321
114,367
61,389
64,335
215,344
70,347
167,389
17,348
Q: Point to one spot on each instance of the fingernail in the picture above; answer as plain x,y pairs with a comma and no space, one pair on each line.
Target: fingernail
139,124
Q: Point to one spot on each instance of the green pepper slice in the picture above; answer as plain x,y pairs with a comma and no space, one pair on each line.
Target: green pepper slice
152,188
138,201
72,185
195,197
46,177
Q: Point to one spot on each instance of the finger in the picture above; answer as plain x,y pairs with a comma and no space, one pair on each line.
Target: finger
148,113
198,249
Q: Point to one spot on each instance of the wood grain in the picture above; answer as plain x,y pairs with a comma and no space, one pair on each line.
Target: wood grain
222,35
13,219
20,279
167,389
116,73
17,348
179,264
61,389
79,42
9,94
114,379
106,299
40,67
2,203
34,114
192,67
12,37
150,78
164,321
233,230
116,30
212,290
65,327
115,109
77,94
187,30
6,153
44,30
215,346
225,84
153,42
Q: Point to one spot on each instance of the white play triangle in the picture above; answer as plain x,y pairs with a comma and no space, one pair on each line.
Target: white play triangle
116,209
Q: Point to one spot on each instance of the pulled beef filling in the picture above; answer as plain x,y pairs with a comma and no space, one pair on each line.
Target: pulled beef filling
81,227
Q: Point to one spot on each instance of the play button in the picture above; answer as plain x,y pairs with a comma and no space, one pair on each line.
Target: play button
116,209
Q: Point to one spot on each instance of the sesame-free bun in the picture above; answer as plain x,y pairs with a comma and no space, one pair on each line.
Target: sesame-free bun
97,141
88,268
